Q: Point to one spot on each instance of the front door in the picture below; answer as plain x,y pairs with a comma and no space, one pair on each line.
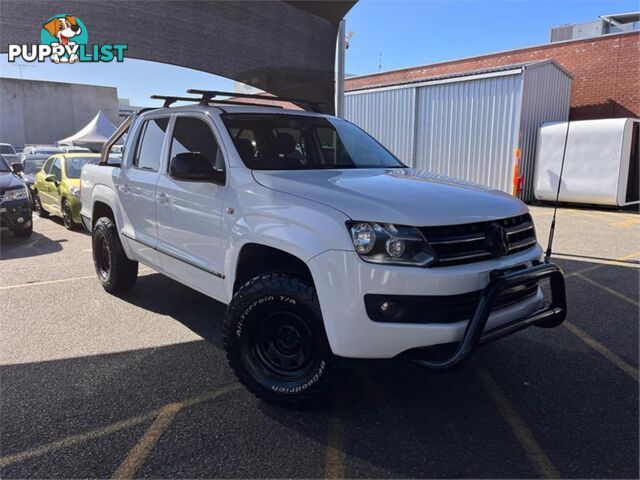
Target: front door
191,232
52,195
41,185
137,187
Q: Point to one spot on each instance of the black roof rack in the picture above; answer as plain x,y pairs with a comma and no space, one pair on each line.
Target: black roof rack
209,95
169,100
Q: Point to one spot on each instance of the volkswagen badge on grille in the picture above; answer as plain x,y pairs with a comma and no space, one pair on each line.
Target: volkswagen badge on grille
497,240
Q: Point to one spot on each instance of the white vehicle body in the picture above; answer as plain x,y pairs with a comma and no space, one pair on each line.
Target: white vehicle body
74,149
8,153
41,149
195,232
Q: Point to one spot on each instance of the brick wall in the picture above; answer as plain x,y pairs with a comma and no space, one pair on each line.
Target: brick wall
605,70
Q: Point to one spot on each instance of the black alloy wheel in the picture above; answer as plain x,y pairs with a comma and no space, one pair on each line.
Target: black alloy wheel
67,216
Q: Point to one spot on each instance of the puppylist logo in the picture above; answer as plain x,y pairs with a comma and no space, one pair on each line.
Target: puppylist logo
64,39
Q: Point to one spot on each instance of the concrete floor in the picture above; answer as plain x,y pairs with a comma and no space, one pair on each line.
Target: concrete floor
93,385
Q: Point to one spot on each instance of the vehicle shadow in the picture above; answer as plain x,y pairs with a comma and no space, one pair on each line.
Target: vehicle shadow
58,221
12,247
199,313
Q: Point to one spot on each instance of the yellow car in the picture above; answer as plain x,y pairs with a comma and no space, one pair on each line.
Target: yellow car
57,186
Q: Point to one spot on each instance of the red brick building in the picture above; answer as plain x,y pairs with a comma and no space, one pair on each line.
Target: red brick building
605,70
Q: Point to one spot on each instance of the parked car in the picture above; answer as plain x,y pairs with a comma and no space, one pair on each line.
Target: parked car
31,165
74,149
41,149
322,243
57,186
15,204
8,152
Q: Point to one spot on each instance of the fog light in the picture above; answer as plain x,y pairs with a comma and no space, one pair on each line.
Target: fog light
20,220
388,308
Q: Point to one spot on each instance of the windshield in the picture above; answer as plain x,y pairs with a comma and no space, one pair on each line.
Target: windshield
4,167
295,142
33,165
74,165
7,149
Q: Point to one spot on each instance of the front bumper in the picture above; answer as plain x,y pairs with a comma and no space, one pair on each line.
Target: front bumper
550,314
16,214
342,280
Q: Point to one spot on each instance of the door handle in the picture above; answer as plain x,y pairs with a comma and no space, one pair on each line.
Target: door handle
162,198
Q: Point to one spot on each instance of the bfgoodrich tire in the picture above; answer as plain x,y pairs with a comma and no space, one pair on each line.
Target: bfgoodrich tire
116,272
275,340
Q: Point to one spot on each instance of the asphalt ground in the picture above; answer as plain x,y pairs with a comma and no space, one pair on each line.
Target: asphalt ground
93,385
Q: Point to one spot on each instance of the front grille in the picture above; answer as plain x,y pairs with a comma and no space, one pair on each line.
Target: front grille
444,308
469,243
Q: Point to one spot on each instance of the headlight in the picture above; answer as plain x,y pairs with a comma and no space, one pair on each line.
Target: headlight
16,194
75,191
391,244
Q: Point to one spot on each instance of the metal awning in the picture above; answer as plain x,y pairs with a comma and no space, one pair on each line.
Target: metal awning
286,48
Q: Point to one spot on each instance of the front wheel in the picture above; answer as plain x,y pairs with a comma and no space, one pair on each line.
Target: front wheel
67,216
275,340
115,271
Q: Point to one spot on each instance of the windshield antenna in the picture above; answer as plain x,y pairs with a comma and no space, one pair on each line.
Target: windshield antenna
547,255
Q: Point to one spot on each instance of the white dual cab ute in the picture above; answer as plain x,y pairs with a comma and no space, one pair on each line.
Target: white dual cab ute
322,244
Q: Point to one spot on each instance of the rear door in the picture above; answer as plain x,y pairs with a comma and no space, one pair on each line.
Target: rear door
137,186
192,235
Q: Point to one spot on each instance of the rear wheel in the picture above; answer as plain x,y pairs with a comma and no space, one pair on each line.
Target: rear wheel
115,271
275,340
37,205
67,216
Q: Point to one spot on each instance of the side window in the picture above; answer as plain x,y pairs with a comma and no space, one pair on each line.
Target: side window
149,148
48,165
57,169
194,135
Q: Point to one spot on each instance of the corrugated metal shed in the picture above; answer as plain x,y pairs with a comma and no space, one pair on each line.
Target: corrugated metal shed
467,125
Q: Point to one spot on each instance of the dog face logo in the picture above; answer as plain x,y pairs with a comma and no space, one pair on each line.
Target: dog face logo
63,28
66,31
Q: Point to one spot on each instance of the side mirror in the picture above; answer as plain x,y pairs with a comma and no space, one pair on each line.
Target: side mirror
195,167
17,167
50,178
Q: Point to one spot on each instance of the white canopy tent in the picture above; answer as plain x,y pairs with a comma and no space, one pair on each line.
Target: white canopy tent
93,135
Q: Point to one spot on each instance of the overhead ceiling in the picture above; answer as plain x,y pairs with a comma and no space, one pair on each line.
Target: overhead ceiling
286,48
